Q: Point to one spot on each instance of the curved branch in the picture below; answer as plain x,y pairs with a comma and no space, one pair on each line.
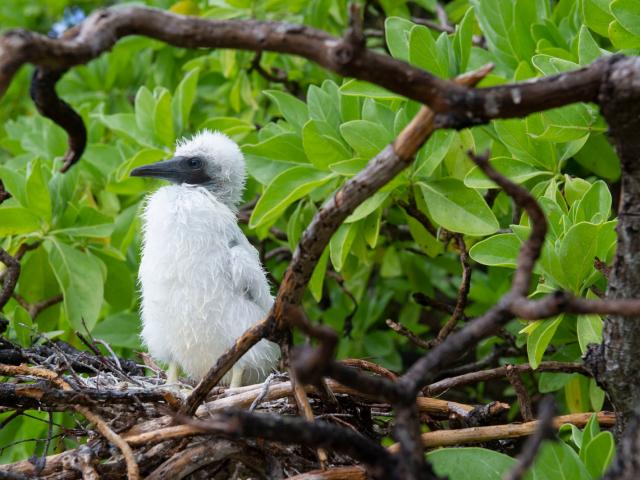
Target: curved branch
10,277
456,105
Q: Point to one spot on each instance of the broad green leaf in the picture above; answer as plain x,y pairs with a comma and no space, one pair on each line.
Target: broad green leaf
596,396
183,99
557,461
367,207
322,150
366,138
286,147
292,109
340,244
38,198
125,123
119,330
17,220
457,463
424,53
427,242
577,253
588,49
365,89
627,12
163,119
79,275
597,15
514,136
568,123
514,170
144,104
506,26
595,205
285,189
599,453
621,37
540,334
396,31
322,107
574,189
598,156
576,395
458,208
371,228
430,156
91,231
589,330
498,250
235,128
462,40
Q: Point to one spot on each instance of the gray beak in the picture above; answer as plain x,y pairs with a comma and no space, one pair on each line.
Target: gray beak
173,170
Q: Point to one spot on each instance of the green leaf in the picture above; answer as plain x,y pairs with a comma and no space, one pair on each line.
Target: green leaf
424,53
627,12
430,156
292,109
283,147
17,220
506,28
396,31
371,228
596,396
163,119
340,244
599,453
458,208
183,99
597,15
514,136
588,49
595,205
235,128
568,123
366,138
90,231
79,275
557,460
589,330
367,207
323,107
498,250
540,334
360,88
322,150
144,106
622,38
317,278
286,188
598,156
462,40
577,253
119,330
38,198
456,463
514,170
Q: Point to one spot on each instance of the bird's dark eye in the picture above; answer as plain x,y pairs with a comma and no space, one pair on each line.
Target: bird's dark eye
194,163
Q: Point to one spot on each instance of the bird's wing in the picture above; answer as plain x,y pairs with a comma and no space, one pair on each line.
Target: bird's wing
247,276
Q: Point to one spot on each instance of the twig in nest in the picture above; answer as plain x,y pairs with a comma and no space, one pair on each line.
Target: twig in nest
132,467
447,438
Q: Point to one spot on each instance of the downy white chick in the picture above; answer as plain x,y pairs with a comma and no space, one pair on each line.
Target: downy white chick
201,280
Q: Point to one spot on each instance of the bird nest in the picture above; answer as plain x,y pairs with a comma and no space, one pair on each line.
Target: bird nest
127,414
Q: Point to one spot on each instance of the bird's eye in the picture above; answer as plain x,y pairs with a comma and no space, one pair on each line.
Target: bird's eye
194,163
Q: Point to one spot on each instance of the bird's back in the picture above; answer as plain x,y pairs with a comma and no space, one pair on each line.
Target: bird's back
202,283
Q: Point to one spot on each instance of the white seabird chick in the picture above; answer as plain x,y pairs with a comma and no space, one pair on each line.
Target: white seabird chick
201,280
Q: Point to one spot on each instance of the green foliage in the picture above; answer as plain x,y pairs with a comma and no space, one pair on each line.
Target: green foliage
139,98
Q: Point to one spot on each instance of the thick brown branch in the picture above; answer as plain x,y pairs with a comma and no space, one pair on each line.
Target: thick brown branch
10,277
